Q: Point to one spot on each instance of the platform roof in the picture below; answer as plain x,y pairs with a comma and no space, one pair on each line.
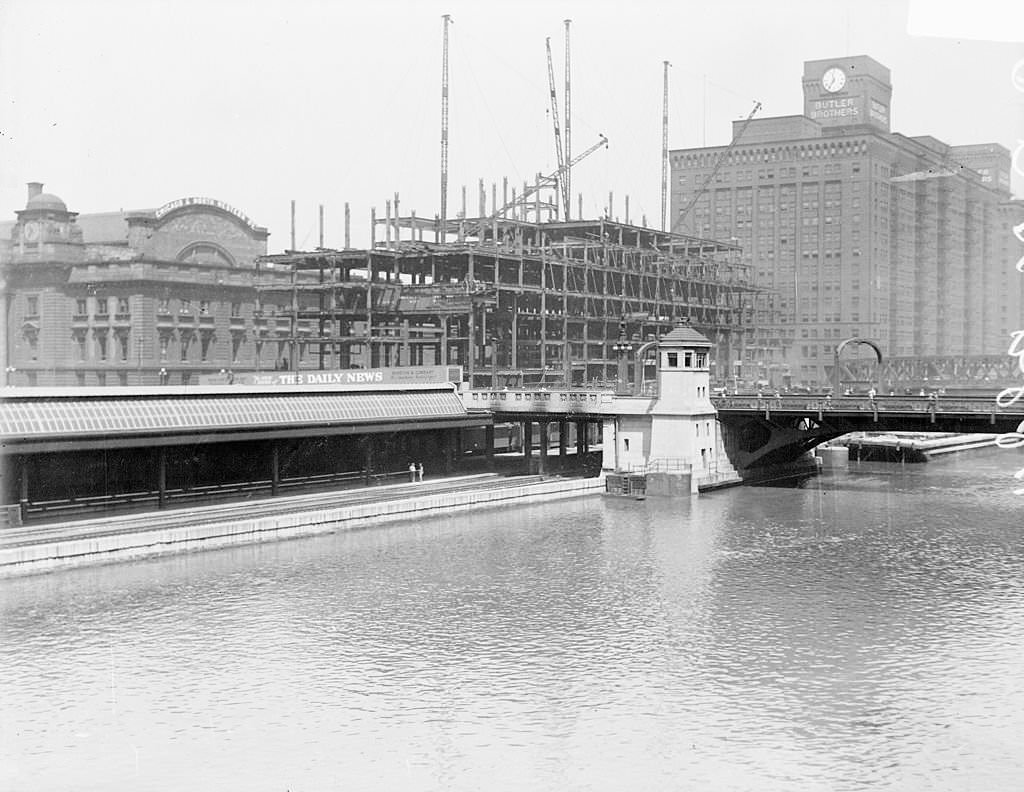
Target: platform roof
35,423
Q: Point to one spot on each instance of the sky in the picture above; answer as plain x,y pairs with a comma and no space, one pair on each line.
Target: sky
130,104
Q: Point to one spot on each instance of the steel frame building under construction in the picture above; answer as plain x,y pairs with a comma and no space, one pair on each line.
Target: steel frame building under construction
511,301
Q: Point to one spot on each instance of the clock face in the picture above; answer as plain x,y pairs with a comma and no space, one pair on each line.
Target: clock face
833,80
31,232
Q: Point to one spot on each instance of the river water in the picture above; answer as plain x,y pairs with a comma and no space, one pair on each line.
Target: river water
862,631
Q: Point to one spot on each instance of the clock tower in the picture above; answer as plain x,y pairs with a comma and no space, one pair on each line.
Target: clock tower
845,92
46,229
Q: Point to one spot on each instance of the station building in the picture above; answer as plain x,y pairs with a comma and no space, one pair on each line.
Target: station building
146,297
852,230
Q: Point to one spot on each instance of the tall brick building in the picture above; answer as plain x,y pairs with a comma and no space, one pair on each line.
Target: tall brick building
856,231
119,298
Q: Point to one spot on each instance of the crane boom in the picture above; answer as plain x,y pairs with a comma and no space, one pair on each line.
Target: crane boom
558,131
550,180
664,146
568,126
718,164
444,123
602,142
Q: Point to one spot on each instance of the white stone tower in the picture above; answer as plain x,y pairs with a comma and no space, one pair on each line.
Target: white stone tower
684,426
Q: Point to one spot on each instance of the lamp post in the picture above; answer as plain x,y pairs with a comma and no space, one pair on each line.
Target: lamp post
9,374
163,376
622,348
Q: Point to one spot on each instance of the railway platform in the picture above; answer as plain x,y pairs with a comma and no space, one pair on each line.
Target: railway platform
39,548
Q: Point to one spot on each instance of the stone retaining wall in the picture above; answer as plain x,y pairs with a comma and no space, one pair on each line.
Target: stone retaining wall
42,556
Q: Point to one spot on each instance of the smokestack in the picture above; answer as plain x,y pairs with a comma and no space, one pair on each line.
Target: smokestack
34,189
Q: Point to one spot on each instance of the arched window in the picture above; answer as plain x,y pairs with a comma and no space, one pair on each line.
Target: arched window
206,253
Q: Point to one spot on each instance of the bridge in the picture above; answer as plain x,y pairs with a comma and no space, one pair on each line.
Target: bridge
761,431
945,371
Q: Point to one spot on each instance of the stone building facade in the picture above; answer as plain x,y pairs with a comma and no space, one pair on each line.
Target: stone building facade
127,298
851,230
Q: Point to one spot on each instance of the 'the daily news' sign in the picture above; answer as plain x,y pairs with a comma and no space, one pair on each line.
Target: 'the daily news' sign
403,375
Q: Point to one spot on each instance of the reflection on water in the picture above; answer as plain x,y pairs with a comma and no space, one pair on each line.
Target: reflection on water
862,631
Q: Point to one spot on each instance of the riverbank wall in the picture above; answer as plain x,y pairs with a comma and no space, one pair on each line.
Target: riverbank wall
71,548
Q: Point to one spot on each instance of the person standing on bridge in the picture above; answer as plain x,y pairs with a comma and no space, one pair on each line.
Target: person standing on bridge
871,393
412,472
419,471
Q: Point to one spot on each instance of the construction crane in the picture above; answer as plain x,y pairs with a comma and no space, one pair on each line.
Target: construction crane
444,124
568,125
551,180
562,170
664,146
718,164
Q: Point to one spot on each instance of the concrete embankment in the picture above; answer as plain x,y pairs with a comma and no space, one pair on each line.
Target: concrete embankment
39,548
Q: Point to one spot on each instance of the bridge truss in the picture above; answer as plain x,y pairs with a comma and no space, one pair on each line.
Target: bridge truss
947,371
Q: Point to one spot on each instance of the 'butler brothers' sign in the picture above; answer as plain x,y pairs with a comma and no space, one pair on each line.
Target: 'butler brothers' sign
834,108
401,375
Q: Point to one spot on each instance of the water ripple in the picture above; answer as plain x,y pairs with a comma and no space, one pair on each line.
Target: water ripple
862,632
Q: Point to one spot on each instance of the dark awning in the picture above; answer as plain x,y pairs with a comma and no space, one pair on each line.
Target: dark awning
81,423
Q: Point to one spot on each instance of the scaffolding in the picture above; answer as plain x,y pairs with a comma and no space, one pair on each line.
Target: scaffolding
513,301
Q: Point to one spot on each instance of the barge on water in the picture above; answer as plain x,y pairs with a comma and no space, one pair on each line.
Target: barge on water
909,446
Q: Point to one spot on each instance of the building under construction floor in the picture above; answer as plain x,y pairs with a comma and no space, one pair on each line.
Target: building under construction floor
512,302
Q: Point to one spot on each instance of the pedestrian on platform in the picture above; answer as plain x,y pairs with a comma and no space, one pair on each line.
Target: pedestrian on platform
412,472
419,470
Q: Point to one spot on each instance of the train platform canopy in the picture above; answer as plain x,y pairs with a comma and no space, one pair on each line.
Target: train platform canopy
34,420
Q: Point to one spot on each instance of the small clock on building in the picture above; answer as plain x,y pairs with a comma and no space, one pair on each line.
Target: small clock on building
833,80
31,232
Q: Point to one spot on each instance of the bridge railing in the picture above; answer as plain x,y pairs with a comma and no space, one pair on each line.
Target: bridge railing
976,405
660,465
541,400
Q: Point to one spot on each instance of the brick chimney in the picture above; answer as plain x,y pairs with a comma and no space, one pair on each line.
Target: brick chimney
34,189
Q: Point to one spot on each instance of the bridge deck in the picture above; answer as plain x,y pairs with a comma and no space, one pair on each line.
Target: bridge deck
911,406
